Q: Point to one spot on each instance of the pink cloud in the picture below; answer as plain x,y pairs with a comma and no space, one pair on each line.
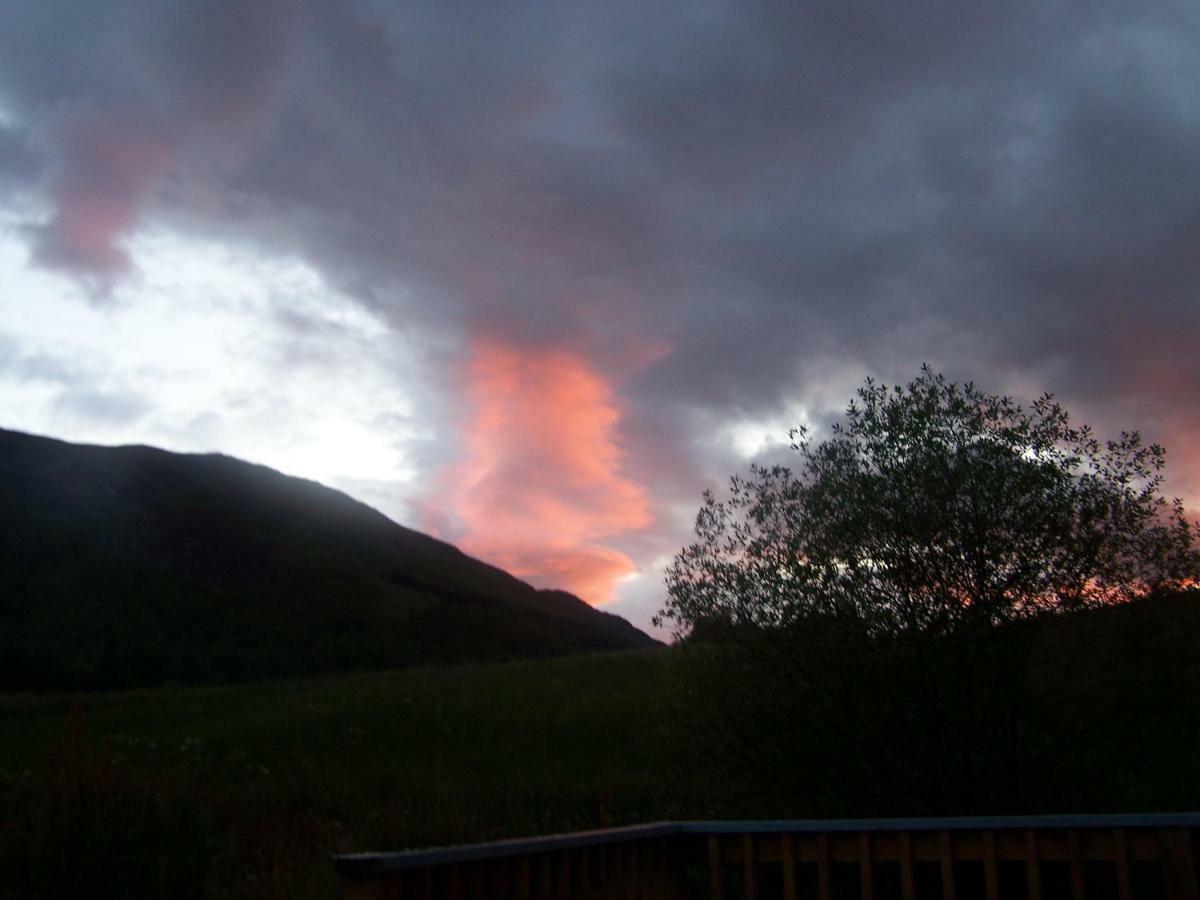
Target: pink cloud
539,486
109,169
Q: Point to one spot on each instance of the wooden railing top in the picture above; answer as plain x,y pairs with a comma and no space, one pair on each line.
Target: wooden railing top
368,863
361,864
951,823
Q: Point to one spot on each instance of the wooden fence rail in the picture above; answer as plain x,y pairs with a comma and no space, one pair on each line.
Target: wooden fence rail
1127,857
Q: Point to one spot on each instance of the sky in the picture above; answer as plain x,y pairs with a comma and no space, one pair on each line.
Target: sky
531,276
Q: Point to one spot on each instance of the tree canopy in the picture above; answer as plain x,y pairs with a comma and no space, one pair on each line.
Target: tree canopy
931,506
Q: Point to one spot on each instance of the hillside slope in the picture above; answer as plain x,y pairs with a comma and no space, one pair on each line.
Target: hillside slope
124,566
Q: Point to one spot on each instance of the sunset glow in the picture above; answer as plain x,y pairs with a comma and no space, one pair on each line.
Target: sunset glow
540,486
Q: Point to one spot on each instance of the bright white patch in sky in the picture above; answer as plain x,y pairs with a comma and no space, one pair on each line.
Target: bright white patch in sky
753,437
208,348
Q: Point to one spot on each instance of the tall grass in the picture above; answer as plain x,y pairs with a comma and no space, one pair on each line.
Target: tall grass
247,791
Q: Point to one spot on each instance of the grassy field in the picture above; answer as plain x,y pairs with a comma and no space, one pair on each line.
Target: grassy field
248,790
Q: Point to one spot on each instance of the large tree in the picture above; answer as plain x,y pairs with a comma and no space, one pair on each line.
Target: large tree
933,506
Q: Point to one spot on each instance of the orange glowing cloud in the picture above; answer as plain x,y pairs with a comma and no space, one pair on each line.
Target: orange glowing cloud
540,484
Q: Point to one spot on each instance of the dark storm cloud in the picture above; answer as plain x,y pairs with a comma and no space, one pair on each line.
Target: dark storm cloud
119,96
785,196
17,163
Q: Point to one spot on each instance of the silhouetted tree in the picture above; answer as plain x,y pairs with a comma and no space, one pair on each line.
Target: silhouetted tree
844,658
934,505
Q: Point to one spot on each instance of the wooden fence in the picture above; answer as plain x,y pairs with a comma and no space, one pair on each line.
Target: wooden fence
1128,857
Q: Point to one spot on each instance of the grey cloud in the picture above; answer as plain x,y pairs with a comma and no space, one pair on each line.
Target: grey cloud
18,164
785,194
78,398
17,364
102,406
120,96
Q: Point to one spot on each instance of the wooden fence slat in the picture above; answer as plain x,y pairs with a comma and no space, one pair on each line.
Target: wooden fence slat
1075,854
661,880
633,882
365,889
479,885
525,879
564,890
1121,857
1179,865
907,886
673,856
453,883
748,873
585,874
789,852
715,888
1033,873
824,875
546,877
866,871
990,878
946,859
501,880
652,881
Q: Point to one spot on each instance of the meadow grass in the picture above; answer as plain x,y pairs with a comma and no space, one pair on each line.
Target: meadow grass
247,790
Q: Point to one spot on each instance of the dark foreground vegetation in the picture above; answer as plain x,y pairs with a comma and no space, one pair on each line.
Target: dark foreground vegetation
1092,711
246,791
134,567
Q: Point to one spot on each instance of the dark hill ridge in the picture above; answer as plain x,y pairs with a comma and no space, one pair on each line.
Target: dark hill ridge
123,566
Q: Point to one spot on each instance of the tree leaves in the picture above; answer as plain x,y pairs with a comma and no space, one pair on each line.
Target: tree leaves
934,506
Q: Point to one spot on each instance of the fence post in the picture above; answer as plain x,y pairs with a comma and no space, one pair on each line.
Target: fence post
1121,855
789,867
748,873
1033,874
824,875
946,859
715,887
866,871
991,880
1076,854
1179,866
907,886
364,889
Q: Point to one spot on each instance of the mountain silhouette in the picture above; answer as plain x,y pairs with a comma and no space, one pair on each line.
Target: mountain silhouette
132,566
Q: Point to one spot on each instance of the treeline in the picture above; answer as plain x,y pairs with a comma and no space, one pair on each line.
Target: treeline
1094,711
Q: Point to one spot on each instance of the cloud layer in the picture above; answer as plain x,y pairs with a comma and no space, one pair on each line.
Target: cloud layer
692,215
